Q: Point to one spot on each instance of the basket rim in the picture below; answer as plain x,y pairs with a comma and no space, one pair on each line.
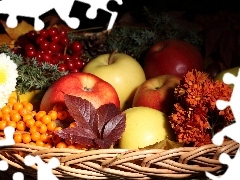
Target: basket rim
178,163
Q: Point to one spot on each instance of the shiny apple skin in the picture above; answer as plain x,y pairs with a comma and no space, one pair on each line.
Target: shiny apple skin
157,93
172,56
80,84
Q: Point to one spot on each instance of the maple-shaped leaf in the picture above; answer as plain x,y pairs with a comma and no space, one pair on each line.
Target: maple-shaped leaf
96,128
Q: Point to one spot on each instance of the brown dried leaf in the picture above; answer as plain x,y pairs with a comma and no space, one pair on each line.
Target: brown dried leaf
4,38
22,28
164,144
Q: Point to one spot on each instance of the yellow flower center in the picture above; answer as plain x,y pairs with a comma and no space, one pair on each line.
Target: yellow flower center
3,76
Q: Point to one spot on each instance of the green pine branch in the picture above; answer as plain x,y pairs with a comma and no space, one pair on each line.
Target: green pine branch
30,74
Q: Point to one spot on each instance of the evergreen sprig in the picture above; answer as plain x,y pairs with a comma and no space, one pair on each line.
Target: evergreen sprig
135,40
32,76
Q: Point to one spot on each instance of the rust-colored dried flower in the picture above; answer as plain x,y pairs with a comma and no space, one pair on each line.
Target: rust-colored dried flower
195,117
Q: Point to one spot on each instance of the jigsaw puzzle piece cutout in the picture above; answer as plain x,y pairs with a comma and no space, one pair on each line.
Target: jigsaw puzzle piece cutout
34,9
63,9
8,132
233,166
231,131
95,5
3,165
44,169
18,176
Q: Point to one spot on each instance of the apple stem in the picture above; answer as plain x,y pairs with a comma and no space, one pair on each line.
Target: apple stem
110,56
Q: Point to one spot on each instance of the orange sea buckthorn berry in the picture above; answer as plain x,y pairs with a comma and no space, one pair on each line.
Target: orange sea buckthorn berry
61,115
79,146
24,102
39,143
48,145
21,126
26,117
12,100
32,143
51,126
3,124
73,124
15,117
12,123
45,119
17,106
33,129
1,114
23,111
28,106
39,115
6,117
12,112
58,128
10,105
17,137
42,128
6,109
35,136
33,113
30,122
58,107
61,145
71,146
37,123
26,138
53,114
44,137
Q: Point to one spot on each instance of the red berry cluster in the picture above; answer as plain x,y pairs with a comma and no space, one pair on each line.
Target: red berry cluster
52,46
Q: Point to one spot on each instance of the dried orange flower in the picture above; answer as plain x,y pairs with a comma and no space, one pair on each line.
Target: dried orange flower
195,117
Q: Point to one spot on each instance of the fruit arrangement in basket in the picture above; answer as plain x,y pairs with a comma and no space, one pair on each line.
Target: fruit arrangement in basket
110,101
116,101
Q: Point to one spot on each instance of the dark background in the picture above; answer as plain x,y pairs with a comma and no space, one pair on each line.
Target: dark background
190,7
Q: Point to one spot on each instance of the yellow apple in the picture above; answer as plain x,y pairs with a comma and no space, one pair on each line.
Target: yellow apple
122,71
145,126
233,71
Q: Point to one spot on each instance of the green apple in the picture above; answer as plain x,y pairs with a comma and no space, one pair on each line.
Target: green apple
233,71
122,71
145,126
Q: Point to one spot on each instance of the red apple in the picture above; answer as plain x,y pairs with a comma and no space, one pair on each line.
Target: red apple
157,93
172,56
84,85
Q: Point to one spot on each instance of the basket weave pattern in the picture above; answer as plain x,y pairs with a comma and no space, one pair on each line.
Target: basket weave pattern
177,163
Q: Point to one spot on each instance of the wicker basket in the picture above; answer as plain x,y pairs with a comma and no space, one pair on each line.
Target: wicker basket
178,163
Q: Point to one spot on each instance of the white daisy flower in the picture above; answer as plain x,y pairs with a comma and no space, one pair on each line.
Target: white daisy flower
8,78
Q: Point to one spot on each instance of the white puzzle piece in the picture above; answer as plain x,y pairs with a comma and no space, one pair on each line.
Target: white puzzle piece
36,8
232,131
44,169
